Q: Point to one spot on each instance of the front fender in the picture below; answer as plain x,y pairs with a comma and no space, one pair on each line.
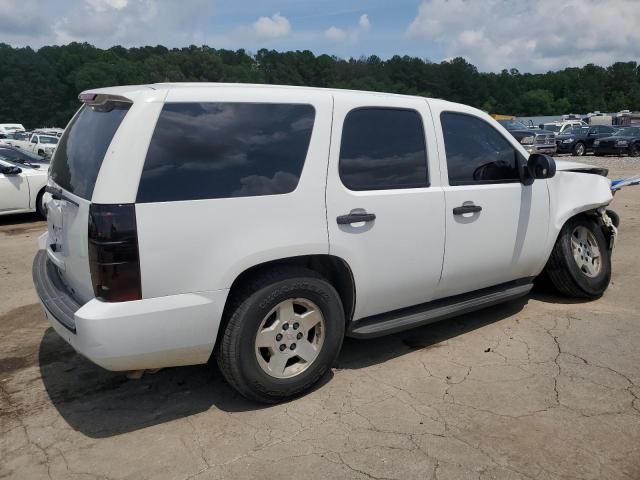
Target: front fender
571,193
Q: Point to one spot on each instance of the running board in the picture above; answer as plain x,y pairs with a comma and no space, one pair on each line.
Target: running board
418,315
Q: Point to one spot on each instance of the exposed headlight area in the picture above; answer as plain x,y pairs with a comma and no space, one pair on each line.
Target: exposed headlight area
527,141
568,140
596,143
622,143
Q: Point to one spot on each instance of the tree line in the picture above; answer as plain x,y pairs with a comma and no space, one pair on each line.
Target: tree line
40,87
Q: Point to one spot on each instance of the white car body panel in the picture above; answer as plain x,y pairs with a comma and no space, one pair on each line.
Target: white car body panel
409,219
506,240
19,193
192,251
247,222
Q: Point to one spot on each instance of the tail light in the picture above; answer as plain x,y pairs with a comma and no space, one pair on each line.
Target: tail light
114,260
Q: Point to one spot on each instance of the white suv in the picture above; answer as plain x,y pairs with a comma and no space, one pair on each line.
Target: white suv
260,224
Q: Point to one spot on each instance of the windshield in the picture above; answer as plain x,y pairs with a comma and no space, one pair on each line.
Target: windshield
512,124
551,127
48,140
628,132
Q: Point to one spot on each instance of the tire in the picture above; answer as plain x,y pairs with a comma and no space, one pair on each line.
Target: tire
563,269
41,208
244,364
634,150
579,149
41,153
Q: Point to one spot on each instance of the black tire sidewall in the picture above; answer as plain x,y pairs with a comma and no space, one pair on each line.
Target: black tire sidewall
255,308
595,286
40,209
575,149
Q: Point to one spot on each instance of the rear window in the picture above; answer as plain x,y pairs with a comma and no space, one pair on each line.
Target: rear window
223,150
83,146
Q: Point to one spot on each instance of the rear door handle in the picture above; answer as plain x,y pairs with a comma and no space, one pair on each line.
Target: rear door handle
467,209
355,218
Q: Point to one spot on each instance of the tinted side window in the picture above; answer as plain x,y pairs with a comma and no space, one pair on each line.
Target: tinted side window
221,150
82,148
383,148
605,129
477,152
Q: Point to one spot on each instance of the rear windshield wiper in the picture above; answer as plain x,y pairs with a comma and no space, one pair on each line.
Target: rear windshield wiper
59,194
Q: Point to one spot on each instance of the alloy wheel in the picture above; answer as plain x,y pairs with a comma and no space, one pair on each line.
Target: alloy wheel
290,338
586,252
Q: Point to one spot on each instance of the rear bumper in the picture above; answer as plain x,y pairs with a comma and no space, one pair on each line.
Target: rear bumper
150,333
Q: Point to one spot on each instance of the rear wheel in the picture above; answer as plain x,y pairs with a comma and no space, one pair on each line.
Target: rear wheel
580,263
284,332
579,149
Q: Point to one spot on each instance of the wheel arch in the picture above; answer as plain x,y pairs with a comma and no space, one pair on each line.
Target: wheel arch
331,267
573,194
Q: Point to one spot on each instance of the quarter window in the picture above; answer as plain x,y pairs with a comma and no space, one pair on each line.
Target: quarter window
476,152
383,148
222,150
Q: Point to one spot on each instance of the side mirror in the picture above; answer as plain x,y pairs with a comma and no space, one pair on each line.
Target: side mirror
541,166
10,170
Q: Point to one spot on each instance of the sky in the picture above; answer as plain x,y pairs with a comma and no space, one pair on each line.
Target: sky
530,35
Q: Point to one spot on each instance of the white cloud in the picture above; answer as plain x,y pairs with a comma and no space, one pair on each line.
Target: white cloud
336,34
364,22
352,34
131,22
275,26
532,36
104,5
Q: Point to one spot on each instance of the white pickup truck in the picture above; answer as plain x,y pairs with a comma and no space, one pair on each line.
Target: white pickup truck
262,224
43,145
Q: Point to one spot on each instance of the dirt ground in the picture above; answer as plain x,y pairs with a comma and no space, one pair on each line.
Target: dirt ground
540,388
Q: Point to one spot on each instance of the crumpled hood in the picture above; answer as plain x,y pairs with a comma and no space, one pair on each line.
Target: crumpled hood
569,166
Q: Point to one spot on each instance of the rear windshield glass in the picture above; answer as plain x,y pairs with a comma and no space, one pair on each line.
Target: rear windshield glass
82,148
223,150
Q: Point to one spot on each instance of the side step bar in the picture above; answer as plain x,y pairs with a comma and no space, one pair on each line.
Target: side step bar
411,317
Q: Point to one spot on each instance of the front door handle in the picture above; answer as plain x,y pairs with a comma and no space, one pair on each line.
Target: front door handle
355,218
467,209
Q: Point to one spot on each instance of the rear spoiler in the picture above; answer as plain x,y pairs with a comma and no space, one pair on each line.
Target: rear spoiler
101,99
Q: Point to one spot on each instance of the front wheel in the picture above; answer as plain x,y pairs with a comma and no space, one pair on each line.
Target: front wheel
579,149
284,333
580,263
634,150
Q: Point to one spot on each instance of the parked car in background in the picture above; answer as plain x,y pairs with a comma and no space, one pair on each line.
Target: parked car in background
11,127
624,141
22,188
561,127
322,196
20,155
53,132
43,145
18,139
533,140
579,140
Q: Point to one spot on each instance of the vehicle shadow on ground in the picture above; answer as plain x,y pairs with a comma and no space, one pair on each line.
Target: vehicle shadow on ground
19,219
103,404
